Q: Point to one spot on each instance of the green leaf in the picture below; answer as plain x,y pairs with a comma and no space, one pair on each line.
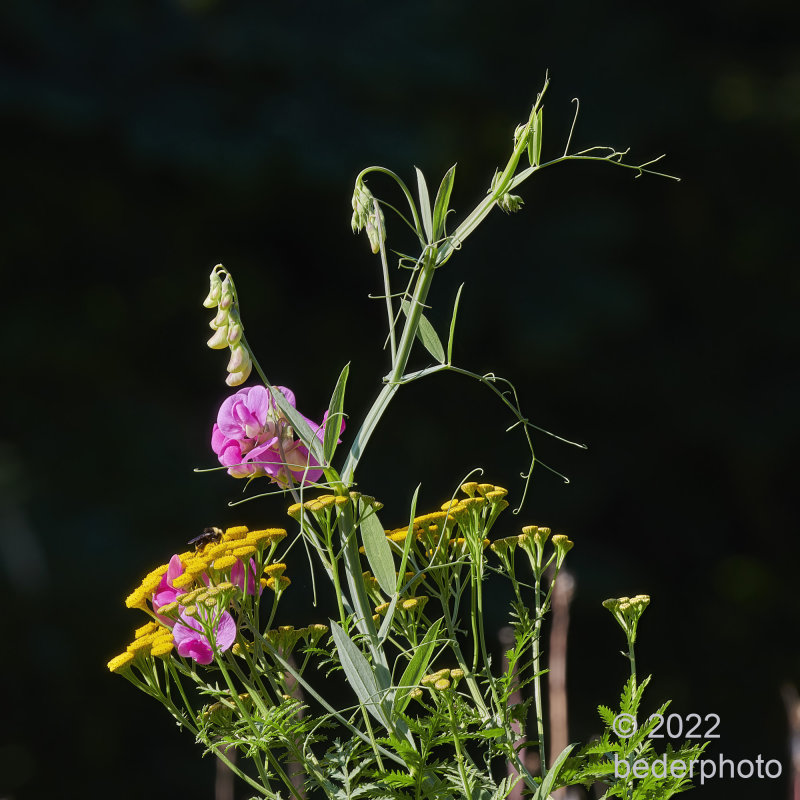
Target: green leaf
546,786
359,674
425,205
379,552
387,620
535,140
396,778
453,326
334,424
505,787
426,333
416,668
442,203
401,572
298,423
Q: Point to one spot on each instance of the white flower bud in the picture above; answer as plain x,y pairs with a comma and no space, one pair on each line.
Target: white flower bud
239,358
234,333
215,291
226,294
237,378
220,339
220,321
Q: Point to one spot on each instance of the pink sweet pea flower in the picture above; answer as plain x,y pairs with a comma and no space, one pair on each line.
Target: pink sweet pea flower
238,577
191,641
166,592
253,438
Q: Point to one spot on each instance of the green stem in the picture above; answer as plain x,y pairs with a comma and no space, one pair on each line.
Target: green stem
537,683
632,659
287,667
387,286
459,752
469,676
245,715
399,181
403,352
482,210
194,727
371,735
476,602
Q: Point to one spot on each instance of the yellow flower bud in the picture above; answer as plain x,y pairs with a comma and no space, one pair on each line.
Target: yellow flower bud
120,662
562,543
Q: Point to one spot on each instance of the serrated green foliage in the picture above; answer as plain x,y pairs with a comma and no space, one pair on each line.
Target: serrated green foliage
597,762
346,764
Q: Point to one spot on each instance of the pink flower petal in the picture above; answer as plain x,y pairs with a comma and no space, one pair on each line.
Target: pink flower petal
238,575
191,641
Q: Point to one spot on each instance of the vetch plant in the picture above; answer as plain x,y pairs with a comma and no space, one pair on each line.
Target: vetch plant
423,712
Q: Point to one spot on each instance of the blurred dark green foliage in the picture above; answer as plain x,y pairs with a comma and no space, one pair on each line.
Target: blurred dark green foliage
145,142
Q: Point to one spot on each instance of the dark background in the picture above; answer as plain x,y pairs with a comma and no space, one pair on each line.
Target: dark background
655,321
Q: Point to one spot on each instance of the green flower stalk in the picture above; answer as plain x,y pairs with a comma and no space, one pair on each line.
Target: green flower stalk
627,611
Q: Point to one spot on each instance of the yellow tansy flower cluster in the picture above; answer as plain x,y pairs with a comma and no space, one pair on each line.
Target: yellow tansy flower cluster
236,543
323,505
151,639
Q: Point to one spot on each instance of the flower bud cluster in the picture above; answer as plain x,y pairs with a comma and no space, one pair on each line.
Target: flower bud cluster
510,203
364,206
227,326
322,506
628,611
442,680
285,637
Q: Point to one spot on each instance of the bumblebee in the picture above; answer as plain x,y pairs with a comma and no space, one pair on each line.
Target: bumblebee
207,537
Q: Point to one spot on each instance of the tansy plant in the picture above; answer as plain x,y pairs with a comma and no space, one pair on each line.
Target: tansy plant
422,712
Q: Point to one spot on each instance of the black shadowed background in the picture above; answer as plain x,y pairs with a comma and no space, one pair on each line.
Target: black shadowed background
655,321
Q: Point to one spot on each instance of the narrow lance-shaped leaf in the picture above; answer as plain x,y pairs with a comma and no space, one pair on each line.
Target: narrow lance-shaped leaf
442,203
359,675
426,333
453,326
425,205
379,552
546,786
535,140
416,668
334,421
401,573
387,619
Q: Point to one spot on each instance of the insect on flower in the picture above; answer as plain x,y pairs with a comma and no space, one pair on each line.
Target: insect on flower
208,536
